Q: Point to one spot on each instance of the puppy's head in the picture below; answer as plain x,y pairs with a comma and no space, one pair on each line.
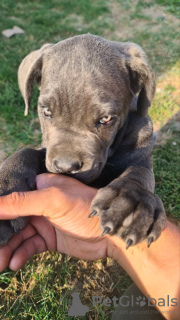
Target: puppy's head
86,88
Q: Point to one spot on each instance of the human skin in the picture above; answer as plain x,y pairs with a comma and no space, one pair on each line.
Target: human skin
59,221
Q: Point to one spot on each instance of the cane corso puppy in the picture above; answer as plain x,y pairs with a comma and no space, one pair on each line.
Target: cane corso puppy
93,105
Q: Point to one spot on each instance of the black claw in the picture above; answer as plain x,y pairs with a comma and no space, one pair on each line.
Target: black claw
129,243
92,214
150,240
106,230
16,230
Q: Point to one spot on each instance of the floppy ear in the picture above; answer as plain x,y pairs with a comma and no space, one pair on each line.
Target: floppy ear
29,72
141,77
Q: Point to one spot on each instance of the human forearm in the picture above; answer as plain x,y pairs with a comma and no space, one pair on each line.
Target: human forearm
155,270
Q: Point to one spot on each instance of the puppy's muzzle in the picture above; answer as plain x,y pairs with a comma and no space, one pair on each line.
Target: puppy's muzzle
68,166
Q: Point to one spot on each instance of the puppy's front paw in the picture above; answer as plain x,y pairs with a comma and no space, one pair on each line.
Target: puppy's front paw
9,227
129,211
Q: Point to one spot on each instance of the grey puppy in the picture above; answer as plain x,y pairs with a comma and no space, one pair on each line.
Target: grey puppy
95,129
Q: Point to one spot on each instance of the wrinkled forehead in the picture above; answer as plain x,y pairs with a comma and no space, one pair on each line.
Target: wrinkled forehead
79,64
82,82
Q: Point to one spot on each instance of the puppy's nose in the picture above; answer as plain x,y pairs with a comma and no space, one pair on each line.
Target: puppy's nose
67,166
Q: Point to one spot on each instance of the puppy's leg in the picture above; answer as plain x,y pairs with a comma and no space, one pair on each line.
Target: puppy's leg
127,206
18,173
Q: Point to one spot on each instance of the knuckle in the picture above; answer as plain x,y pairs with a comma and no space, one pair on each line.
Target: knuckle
15,198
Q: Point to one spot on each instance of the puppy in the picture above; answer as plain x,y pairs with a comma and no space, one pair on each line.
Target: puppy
96,129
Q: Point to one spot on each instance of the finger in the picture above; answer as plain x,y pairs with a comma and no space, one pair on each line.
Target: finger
38,202
46,230
26,251
69,186
5,253
47,180
36,225
7,250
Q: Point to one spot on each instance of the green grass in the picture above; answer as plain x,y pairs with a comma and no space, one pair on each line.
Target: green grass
172,6
158,35
42,290
35,292
167,174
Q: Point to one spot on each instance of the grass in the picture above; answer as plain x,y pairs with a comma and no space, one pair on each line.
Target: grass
167,98
43,288
172,6
167,161
37,290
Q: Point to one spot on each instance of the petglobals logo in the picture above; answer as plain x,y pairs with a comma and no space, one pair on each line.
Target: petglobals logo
161,302
129,304
131,301
141,301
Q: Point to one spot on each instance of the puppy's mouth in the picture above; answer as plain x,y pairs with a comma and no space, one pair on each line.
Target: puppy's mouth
86,176
79,172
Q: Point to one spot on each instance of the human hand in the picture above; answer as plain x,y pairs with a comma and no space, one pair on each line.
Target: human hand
60,209
58,221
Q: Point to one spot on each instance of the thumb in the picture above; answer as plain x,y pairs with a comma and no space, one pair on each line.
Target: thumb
38,203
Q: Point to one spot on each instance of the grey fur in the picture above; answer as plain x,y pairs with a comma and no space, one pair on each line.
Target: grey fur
84,80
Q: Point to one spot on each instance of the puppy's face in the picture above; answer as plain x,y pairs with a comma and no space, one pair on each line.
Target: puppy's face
86,88
81,108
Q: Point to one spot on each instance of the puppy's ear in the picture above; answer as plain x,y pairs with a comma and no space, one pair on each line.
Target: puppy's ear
29,72
141,77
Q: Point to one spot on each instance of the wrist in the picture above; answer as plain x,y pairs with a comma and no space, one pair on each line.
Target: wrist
148,267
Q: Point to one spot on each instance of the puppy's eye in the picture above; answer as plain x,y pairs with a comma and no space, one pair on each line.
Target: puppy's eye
106,120
47,112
